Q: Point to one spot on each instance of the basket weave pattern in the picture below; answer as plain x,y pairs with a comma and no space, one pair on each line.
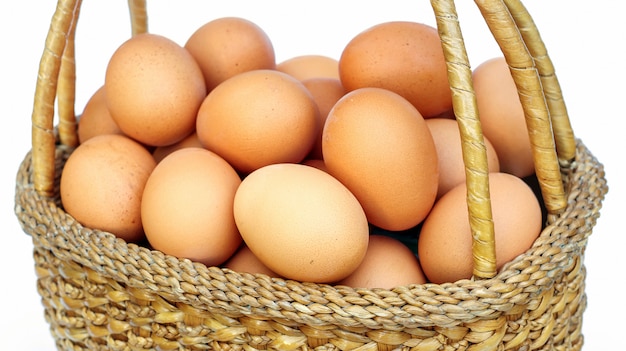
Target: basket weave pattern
101,293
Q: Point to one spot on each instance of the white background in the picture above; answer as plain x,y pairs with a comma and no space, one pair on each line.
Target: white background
585,40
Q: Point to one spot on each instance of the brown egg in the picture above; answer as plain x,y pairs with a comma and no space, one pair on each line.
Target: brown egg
502,116
154,88
404,57
187,206
96,118
102,184
227,46
190,141
445,241
301,222
378,144
447,139
326,92
310,66
257,118
244,260
388,263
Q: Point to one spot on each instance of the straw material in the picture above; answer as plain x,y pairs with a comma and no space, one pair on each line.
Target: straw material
101,293
502,24
473,146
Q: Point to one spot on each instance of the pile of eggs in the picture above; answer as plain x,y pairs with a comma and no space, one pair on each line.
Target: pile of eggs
344,171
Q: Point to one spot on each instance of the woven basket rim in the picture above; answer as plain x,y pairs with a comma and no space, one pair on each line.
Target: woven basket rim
225,291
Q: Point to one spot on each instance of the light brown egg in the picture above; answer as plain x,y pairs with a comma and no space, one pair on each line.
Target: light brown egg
190,141
187,206
102,184
388,263
227,46
310,66
445,240
378,145
447,139
96,118
502,116
404,57
244,260
258,118
326,92
301,222
154,88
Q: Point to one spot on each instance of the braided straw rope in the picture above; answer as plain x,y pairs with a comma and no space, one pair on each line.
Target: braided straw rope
100,292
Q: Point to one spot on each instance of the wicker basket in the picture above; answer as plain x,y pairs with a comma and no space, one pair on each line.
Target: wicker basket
100,292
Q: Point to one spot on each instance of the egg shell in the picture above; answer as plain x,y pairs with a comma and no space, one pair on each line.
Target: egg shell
326,92
258,118
102,184
305,67
154,88
227,46
502,116
404,57
388,263
187,206
378,145
301,222
445,241
191,140
244,260
96,118
447,137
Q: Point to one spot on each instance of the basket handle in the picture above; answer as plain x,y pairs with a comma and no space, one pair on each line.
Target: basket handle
512,27
56,82
138,16
43,137
562,128
472,145
520,51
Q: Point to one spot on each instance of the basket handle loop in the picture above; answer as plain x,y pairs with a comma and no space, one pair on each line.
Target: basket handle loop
564,135
546,117
43,135
66,88
56,81
473,146
515,46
